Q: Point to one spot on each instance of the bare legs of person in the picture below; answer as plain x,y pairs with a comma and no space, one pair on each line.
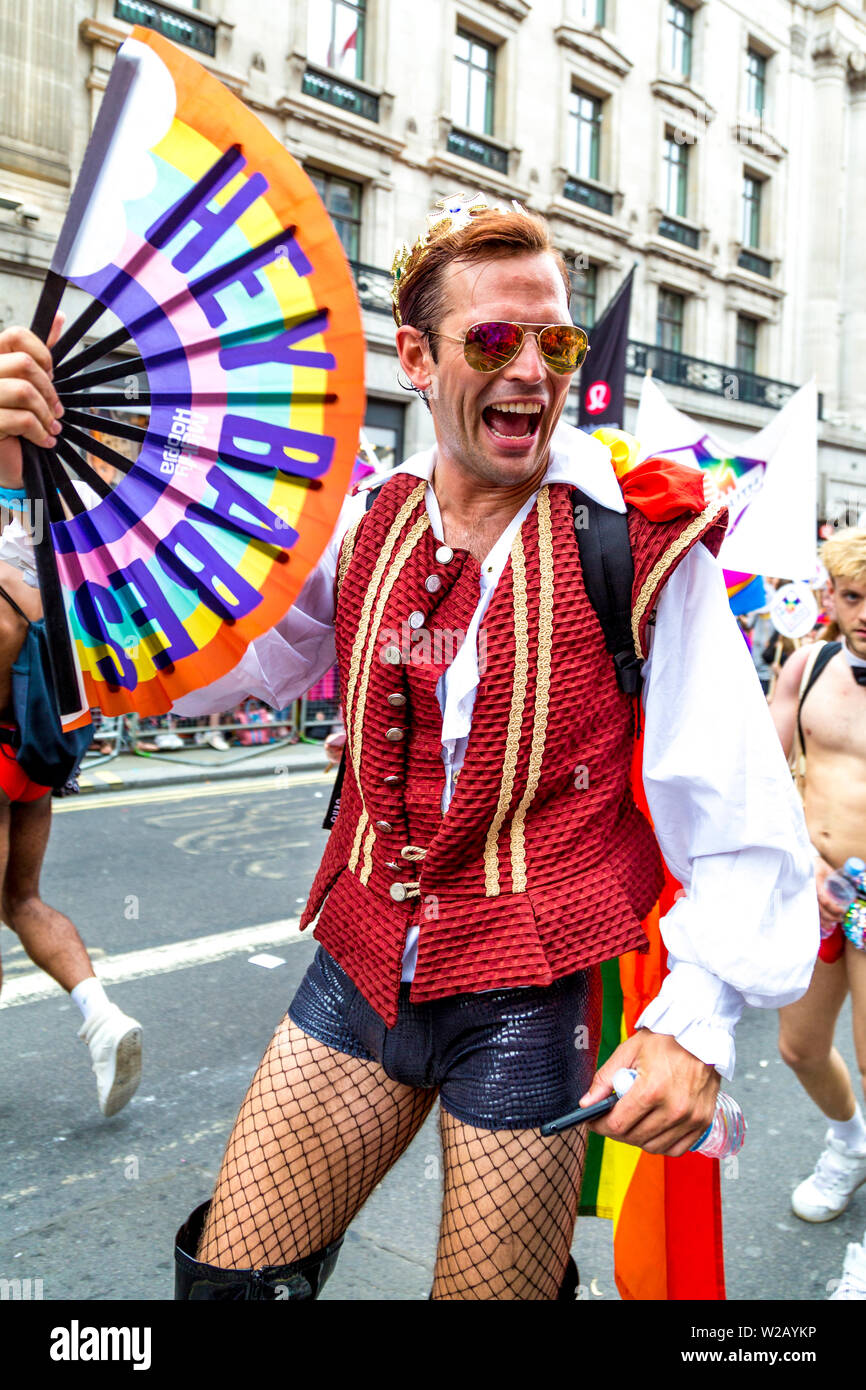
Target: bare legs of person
52,942
319,1129
806,1031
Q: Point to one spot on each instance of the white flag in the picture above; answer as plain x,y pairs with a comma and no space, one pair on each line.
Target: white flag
769,481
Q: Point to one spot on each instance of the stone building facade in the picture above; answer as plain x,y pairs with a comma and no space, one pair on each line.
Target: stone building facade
721,147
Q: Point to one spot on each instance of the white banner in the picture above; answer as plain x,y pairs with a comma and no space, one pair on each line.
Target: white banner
769,481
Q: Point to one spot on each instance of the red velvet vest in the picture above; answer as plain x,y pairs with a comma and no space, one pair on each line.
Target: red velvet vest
542,864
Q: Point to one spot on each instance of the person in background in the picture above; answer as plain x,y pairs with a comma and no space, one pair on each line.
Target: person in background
29,408
832,717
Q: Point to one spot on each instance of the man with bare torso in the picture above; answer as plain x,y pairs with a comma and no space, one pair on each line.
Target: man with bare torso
833,721
28,409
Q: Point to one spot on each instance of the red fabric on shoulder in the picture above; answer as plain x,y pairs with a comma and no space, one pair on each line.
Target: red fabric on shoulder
663,490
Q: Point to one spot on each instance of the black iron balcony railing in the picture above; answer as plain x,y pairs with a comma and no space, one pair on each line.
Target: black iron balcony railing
758,265
679,231
181,28
677,369
373,286
476,148
338,92
589,195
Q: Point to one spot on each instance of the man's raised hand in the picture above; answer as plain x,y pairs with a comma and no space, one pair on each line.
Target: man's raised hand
29,405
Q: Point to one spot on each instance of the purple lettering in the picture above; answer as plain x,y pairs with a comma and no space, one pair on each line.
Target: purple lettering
281,349
153,611
213,570
96,607
239,511
294,452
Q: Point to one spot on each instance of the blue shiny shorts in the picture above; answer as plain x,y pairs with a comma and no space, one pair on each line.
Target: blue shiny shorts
504,1059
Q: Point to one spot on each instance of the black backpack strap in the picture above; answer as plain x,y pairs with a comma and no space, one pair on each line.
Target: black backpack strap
608,574
12,604
822,660
336,791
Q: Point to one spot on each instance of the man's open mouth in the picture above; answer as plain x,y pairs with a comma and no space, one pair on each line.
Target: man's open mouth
513,419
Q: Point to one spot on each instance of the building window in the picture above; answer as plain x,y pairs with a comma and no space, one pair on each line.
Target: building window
676,190
336,36
342,198
584,294
751,229
383,429
747,344
474,81
756,82
591,11
669,324
680,24
585,133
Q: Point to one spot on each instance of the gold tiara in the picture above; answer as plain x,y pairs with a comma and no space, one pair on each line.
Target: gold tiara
449,215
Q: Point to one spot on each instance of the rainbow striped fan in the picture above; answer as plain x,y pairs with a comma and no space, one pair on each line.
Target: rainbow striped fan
226,390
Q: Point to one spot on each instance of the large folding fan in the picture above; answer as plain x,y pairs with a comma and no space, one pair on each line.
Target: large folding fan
235,374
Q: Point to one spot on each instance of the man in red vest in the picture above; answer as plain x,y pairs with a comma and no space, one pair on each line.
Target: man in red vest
488,853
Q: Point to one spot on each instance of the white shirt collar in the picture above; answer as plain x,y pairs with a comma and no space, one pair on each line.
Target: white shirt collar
575,458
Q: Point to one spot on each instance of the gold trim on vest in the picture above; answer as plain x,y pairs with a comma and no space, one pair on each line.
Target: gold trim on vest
662,567
515,717
542,691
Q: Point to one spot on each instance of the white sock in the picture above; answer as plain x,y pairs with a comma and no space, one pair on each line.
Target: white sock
852,1132
92,999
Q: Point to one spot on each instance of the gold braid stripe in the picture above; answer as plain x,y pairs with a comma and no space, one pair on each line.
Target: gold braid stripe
412,501
412,539
650,584
363,822
515,717
542,691
347,550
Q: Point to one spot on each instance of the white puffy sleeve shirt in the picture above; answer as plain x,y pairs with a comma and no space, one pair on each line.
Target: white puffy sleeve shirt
725,813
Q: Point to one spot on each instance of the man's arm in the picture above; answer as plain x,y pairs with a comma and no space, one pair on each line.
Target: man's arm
786,697
732,831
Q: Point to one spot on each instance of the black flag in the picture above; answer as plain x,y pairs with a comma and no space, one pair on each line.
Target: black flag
602,376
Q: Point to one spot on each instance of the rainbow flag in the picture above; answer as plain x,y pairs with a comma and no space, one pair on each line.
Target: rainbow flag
746,592
666,1212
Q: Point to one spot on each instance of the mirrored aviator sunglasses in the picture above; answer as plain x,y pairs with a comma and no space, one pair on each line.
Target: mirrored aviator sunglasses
489,346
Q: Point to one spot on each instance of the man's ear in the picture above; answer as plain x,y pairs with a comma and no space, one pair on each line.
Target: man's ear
413,351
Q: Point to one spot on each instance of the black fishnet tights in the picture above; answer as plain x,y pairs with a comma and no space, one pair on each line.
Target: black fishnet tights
317,1131
509,1209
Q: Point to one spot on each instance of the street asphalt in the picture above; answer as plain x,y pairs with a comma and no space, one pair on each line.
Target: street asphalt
186,890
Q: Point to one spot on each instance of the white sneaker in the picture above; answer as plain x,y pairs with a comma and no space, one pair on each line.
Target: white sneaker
114,1040
217,741
853,1281
838,1174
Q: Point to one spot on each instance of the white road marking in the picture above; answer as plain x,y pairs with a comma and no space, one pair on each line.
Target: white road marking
95,801
161,960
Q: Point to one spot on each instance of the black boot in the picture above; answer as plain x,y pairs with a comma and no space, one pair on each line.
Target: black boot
570,1281
302,1280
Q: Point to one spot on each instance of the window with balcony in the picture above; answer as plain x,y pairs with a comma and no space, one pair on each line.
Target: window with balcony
680,27
756,82
473,84
669,321
747,344
750,232
676,177
592,11
336,36
177,26
584,297
584,119
342,198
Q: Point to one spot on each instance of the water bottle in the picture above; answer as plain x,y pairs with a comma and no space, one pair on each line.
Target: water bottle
724,1137
845,885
